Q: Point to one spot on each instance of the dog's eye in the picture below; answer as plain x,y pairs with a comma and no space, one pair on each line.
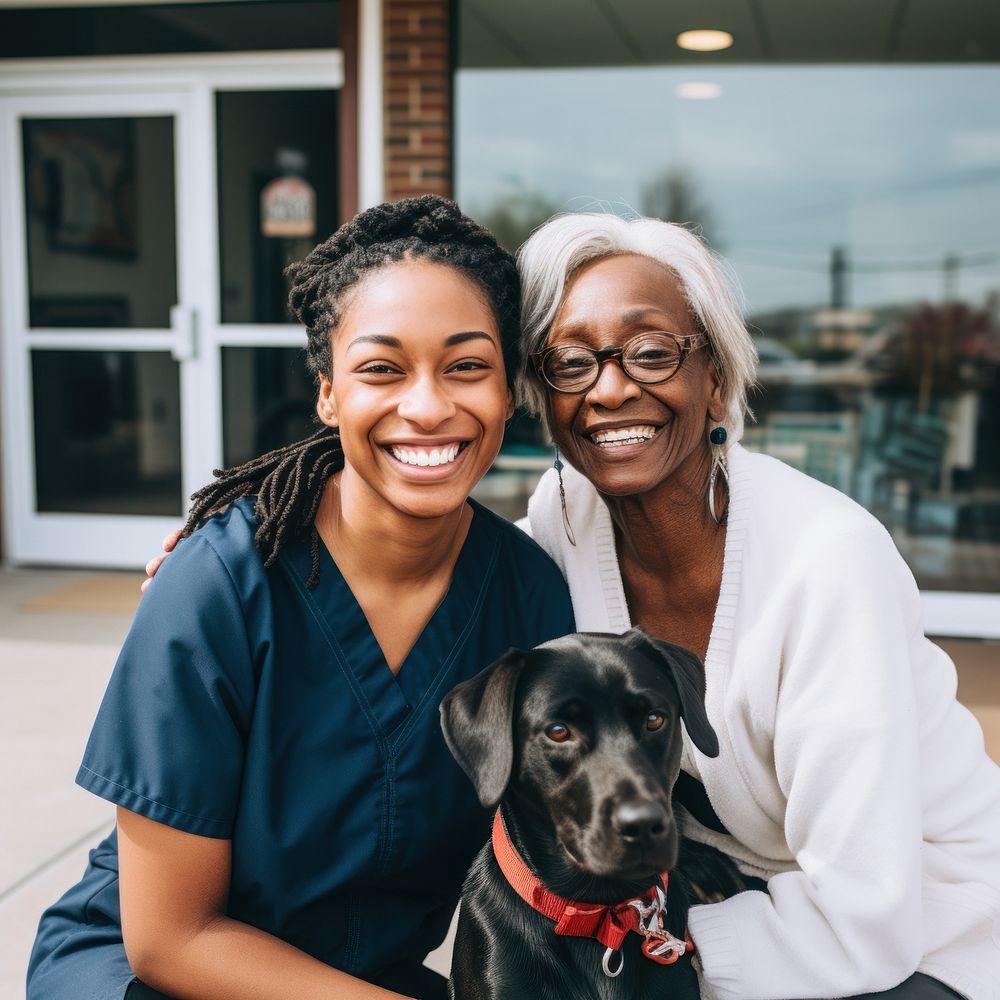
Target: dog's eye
557,732
655,720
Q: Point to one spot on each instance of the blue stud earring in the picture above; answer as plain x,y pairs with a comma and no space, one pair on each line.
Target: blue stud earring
718,435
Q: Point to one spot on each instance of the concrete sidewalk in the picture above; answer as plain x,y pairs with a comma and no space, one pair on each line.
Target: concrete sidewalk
55,659
59,635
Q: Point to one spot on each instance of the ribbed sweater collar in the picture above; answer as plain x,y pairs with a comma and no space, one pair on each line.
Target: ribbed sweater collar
591,567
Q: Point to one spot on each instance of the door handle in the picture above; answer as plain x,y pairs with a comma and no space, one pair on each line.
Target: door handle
184,324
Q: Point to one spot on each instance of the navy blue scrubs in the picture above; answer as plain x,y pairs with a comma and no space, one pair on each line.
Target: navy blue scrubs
246,707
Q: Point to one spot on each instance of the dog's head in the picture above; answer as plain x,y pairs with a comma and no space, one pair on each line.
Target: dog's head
587,727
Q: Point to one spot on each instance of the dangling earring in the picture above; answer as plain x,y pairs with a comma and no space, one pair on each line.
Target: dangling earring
717,438
558,466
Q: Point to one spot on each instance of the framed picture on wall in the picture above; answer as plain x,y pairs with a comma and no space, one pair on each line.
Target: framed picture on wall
81,180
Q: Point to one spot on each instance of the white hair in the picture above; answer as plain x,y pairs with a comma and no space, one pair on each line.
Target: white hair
565,243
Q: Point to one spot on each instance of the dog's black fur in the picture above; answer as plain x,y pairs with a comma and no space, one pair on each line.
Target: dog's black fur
591,816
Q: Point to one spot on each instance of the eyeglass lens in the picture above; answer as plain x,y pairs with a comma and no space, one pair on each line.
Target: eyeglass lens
648,358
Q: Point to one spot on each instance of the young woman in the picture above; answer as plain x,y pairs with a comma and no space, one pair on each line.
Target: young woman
290,822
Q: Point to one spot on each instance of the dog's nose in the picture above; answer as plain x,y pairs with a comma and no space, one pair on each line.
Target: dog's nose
640,822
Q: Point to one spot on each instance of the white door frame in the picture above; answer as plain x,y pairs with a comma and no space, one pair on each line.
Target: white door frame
183,87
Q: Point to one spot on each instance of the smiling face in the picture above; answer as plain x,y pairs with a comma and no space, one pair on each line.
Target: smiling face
626,437
418,389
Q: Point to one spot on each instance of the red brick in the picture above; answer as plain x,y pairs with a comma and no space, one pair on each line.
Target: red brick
417,97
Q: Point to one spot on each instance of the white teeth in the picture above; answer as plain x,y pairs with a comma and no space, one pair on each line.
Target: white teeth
624,435
429,457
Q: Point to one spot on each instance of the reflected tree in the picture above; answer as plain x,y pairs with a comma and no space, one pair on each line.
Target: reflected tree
516,214
938,378
672,195
942,350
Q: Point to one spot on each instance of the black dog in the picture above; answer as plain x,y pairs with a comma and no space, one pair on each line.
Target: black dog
581,740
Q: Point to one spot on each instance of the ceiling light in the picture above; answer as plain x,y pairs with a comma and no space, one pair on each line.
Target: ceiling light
698,90
704,40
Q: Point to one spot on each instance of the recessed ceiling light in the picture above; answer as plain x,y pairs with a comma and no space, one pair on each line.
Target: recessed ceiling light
704,40
698,90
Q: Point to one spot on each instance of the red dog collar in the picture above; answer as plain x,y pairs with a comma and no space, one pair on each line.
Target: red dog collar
609,923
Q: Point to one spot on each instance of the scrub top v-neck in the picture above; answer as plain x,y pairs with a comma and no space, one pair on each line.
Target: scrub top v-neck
393,695
247,707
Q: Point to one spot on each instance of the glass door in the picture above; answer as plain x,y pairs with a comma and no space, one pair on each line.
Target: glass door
277,180
100,211
148,210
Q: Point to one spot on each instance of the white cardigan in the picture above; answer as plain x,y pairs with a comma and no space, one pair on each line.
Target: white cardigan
848,774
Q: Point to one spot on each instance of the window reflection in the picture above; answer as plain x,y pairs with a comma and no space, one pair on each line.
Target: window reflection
268,400
860,207
107,432
101,230
276,154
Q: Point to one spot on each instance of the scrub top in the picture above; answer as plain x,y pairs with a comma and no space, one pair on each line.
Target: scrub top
245,706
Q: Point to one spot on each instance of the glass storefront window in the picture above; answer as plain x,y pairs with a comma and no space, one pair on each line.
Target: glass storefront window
101,240
107,432
284,143
860,208
268,400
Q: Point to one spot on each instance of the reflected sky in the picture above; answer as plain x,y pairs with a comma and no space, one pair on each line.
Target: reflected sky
899,165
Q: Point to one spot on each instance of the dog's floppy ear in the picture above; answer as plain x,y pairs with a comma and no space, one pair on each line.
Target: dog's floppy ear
477,717
689,678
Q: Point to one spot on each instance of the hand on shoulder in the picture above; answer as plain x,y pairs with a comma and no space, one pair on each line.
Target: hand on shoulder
169,543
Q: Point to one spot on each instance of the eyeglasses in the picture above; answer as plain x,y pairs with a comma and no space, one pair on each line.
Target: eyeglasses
649,358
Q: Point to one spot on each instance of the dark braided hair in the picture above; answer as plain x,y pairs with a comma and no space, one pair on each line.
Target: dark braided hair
288,482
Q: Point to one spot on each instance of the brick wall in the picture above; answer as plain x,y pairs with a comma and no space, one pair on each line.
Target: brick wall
417,88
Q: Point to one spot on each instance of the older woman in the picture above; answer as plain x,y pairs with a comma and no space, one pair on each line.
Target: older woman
849,777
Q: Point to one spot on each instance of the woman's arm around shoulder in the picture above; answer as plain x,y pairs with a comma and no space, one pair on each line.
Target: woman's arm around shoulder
168,545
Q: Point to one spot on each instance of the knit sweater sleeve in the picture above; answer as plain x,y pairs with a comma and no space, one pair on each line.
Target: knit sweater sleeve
847,757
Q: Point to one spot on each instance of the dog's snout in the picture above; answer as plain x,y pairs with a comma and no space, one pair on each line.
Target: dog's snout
641,822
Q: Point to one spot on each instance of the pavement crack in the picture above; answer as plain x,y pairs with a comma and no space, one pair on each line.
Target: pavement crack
49,863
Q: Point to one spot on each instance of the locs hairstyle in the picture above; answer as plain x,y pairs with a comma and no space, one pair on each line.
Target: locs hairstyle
288,482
